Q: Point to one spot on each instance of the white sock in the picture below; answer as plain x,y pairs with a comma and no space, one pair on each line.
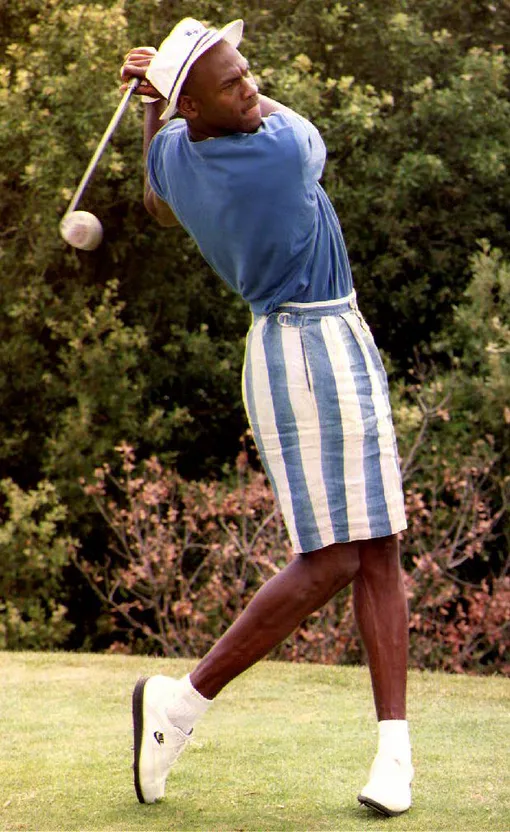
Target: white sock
188,705
394,739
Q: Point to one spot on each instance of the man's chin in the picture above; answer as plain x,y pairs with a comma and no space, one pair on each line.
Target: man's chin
253,118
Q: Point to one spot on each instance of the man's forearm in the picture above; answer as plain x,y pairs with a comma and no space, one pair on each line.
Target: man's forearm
152,122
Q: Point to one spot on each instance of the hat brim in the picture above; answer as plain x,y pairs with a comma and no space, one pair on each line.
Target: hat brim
232,33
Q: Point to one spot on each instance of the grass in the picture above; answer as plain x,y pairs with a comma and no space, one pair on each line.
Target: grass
285,747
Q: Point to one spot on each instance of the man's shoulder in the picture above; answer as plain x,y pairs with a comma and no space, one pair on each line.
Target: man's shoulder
175,126
173,129
302,130
289,118
302,134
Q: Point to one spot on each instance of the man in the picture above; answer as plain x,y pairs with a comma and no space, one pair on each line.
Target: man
240,173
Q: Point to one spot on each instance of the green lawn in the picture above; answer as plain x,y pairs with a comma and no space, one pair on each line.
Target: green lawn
285,747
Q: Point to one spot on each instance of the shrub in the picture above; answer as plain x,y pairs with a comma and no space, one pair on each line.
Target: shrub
459,608
186,557
33,553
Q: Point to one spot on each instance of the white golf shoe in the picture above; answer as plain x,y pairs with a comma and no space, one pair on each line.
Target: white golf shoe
389,786
158,742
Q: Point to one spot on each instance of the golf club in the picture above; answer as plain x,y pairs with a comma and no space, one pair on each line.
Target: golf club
81,229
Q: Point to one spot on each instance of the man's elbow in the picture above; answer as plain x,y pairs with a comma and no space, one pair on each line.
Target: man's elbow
163,215
148,205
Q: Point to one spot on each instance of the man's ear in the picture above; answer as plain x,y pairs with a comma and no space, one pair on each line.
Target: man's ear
186,107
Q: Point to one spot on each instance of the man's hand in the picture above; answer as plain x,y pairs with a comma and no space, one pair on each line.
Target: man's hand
135,65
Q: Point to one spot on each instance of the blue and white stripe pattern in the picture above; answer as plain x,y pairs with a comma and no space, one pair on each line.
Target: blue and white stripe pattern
316,395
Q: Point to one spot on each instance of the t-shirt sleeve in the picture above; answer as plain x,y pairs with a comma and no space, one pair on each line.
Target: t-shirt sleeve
152,166
311,146
155,172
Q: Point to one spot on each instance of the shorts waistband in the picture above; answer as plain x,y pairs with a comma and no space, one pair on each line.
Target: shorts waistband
324,307
301,314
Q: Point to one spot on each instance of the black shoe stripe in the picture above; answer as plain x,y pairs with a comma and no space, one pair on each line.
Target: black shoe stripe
137,703
378,807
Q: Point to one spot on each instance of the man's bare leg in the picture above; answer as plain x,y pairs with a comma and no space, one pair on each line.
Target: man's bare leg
381,612
380,606
163,725
304,586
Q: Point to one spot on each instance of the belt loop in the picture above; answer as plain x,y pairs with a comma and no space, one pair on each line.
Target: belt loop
285,319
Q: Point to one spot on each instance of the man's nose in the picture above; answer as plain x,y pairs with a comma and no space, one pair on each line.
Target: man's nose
250,87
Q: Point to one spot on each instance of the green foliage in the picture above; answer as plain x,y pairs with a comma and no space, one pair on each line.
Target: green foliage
453,427
33,553
481,346
412,100
140,342
99,382
466,403
49,71
74,382
46,72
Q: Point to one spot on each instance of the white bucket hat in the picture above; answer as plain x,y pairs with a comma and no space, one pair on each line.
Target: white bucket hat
184,45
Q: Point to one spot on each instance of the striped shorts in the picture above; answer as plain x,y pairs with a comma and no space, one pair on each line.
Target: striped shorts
316,396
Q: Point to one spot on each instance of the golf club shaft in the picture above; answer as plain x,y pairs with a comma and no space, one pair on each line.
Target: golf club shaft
119,112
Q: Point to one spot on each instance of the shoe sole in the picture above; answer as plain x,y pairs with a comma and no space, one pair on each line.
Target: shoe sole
137,703
383,810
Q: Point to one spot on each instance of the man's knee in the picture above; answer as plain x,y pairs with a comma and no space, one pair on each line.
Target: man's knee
380,558
333,567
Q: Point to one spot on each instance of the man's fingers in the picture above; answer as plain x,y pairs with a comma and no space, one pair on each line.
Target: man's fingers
140,51
129,70
136,63
144,88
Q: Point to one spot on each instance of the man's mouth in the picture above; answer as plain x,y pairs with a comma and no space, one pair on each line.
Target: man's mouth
253,103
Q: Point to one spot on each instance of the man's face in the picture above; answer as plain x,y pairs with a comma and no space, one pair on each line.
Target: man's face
220,96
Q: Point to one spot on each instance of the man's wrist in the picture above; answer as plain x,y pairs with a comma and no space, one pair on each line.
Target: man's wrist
156,105
152,122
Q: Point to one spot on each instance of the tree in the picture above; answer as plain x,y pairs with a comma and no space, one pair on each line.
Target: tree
139,341
176,351
412,101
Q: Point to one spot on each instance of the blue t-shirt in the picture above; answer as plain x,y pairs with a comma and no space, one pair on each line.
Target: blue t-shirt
254,206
